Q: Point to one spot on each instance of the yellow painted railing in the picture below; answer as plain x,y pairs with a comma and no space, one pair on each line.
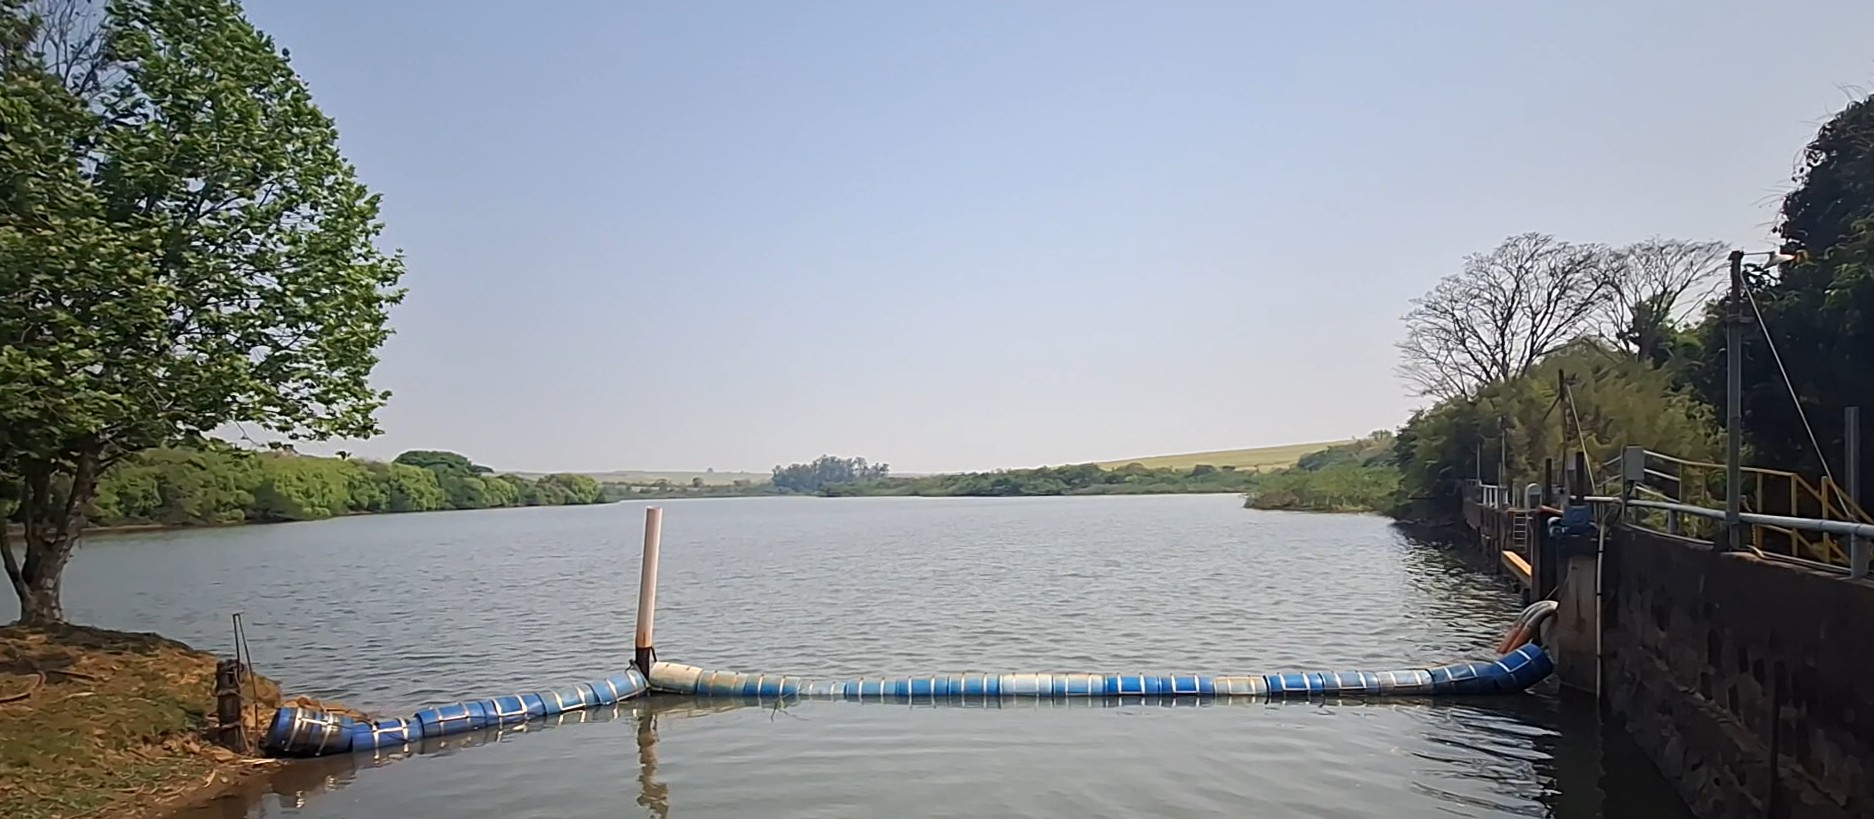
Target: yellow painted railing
1766,491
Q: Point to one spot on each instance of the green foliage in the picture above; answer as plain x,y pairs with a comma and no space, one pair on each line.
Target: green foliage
181,246
293,487
1819,313
195,487
441,462
1358,476
409,488
178,487
1338,487
1505,432
568,488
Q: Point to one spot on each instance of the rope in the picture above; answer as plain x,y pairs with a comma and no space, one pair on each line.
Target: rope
1804,416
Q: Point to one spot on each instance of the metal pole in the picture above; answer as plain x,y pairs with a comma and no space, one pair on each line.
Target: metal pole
1503,453
647,588
1858,551
1734,406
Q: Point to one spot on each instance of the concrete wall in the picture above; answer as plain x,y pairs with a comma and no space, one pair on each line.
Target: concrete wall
1718,663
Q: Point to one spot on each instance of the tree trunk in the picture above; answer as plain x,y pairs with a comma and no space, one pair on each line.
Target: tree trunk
52,526
39,602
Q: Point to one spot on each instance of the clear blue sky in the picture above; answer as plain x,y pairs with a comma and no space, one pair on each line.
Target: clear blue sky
967,235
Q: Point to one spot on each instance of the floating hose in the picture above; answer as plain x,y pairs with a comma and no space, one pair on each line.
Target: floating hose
298,731
1515,671
304,731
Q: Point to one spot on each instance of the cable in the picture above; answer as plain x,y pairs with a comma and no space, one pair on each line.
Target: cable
1581,436
1778,357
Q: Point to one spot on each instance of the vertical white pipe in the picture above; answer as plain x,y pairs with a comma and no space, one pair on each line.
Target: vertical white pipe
647,587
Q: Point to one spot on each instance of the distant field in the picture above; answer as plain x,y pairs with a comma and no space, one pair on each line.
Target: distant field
1258,458
680,478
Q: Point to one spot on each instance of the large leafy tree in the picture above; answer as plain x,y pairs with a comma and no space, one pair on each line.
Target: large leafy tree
1819,313
182,246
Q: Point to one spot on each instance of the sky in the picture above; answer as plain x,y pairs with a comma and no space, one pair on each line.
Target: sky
973,235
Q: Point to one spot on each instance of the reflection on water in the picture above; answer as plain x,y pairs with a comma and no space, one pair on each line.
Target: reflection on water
393,613
1585,770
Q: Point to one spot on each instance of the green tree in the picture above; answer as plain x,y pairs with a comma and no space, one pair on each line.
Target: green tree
300,488
441,462
181,247
571,488
412,489
198,486
1620,401
464,491
525,492
825,471
1819,312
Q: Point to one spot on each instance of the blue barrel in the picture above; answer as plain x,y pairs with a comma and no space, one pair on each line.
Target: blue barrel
576,698
513,708
453,718
1526,666
622,687
307,732
385,734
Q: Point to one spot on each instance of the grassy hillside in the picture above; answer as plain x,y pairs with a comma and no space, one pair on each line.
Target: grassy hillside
1256,459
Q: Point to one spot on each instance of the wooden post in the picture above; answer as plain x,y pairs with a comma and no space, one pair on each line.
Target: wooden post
647,589
232,732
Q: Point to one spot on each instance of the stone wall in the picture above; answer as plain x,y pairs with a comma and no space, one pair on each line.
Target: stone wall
1720,663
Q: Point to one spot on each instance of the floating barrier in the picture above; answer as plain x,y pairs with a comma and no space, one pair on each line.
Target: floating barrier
1513,672
298,731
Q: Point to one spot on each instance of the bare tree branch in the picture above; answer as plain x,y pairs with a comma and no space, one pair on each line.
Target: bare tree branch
70,43
1661,284
1503,312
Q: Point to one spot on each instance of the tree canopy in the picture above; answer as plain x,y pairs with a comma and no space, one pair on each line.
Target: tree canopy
219,484
1818,312
182,247
826,471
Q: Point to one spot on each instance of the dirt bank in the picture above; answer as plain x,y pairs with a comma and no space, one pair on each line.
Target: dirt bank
97,723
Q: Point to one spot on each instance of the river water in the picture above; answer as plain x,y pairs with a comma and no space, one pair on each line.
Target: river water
391,613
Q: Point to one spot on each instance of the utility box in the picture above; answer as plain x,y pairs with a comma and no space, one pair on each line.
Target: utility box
1633,464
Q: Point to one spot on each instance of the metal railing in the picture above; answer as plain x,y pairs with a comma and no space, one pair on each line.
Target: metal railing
1491,496
1788,515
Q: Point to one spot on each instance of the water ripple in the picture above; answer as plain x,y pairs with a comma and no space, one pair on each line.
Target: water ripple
395,612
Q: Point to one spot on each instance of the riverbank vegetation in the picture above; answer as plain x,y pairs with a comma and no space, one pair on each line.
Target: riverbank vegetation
1358,476
831,476
1542,348
1253,459
210,485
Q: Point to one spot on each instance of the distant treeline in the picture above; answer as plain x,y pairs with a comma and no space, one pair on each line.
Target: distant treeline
832,476
1358,476
186,487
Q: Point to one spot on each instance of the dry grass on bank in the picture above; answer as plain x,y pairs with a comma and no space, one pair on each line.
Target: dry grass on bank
1255,459
97,723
